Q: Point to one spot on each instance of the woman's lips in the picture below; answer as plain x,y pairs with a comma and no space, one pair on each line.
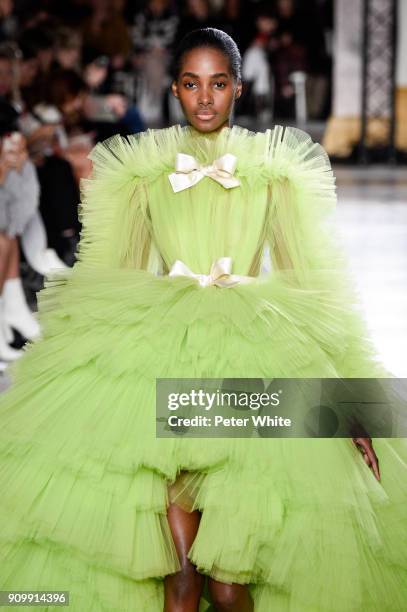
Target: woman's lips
205,116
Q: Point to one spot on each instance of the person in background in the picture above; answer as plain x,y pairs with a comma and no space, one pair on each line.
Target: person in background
287,55
153,34
28,69
19,192
67,49
302,47
59,149
8,21
37,46
42,40
319,63
106,112
257,97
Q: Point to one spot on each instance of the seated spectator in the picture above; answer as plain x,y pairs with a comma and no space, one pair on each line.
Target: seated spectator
37,46
28,72
18,204
107,113
52,128
41,40
257,97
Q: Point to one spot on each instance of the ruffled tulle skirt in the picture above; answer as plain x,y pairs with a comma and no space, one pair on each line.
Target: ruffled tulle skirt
86,483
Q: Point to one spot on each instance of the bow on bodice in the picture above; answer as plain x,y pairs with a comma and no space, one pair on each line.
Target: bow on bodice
219,275
188,171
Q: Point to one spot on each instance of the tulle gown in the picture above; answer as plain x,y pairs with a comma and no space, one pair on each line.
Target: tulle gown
85,481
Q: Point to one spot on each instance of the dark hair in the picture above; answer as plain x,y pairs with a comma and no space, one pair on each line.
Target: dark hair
5,55
8,118
212,38
63,85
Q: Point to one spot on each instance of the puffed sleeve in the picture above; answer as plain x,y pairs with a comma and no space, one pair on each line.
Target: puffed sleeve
305,248
114,209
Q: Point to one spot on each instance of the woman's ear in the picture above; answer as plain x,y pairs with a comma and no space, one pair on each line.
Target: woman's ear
238,89
174,88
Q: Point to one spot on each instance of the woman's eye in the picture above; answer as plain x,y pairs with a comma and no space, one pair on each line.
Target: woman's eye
221,84
189,83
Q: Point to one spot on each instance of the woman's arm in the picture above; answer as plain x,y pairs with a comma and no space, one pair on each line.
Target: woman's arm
114,210
305,249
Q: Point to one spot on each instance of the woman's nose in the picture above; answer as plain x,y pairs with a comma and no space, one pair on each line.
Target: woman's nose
205,97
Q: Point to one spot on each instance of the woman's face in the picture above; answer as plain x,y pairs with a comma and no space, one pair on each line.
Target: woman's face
206,89
6,8
68,58
72,108
28,71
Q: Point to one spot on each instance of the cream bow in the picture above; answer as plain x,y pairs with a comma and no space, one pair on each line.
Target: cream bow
188,171
219,274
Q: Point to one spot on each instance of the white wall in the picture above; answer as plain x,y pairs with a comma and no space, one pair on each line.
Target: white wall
401,69
347,58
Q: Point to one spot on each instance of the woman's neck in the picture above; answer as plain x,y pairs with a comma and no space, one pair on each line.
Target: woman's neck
212,134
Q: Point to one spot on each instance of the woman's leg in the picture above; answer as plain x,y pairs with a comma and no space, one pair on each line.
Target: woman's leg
7,353
16,311
182,590
230,597
13,268
5,250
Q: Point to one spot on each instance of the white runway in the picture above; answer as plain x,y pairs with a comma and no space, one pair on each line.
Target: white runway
372,221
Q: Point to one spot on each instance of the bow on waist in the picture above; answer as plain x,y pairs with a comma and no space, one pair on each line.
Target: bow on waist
219,274
188,171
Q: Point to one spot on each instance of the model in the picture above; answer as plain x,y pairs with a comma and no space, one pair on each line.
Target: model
167,285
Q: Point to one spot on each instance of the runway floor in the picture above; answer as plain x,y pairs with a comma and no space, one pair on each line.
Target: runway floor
372,221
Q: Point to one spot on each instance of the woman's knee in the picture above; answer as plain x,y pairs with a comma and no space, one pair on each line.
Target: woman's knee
5,242
227,596
186,583
5,250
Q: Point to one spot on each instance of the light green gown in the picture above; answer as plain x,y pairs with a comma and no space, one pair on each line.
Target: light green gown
83,478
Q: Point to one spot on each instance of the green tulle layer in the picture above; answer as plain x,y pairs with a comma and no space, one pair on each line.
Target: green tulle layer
302,521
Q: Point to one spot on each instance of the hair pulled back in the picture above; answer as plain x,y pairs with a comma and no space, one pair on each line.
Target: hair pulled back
208,38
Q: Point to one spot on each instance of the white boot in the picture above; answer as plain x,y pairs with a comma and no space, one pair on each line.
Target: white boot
7,331
34,243
7,353
16,311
